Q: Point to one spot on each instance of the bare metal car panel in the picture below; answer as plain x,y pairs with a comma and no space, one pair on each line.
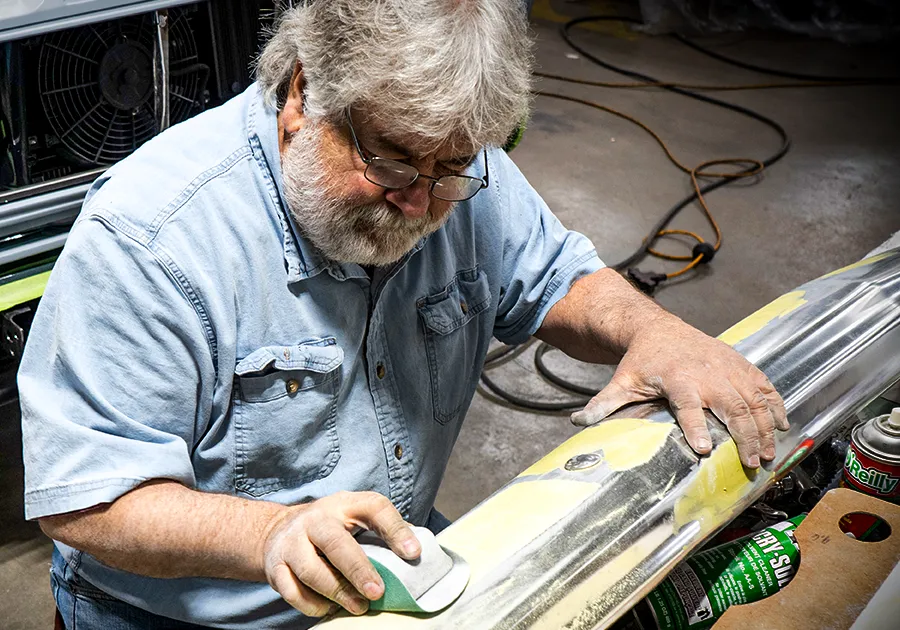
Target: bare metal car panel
576,548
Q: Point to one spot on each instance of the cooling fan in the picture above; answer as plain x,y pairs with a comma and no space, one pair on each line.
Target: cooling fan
97,84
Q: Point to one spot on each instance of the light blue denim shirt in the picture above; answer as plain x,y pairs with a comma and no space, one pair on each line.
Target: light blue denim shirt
188,332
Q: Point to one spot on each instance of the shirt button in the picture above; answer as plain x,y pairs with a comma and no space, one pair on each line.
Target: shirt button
380,371
398,451
292,386
464,306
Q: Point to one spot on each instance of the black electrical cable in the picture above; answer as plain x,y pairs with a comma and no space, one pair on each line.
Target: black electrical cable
494,357
536,405
663,222
642,251
539,353
667,218
784,73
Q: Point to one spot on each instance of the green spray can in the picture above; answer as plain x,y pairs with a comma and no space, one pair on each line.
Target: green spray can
700,589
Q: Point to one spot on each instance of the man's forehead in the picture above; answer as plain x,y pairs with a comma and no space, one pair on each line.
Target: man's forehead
399,136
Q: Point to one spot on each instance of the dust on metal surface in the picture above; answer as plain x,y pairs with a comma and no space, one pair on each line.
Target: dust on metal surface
577,548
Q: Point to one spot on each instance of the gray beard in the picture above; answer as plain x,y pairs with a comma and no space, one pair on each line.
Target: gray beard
375,234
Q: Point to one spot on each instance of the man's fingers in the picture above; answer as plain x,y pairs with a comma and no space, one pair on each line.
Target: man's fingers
297,594
615,395
344,553
689,412
731,409
776,404
379,514
759,408
314,572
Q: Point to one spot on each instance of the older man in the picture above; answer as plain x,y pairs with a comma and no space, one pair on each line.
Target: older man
268,323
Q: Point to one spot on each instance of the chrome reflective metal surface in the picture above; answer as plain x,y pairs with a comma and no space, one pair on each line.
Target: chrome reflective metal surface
32,213
56,15
830,348
13,254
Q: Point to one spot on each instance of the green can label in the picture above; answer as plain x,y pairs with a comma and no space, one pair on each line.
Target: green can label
699,590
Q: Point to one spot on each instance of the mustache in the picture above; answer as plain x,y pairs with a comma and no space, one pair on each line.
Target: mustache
345,227
380,216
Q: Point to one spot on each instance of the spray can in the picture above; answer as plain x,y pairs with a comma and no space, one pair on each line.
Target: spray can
872,466
700,589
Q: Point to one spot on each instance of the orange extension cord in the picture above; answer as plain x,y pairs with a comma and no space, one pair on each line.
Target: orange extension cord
751,168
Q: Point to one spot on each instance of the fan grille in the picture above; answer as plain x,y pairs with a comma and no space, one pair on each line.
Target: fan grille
96,84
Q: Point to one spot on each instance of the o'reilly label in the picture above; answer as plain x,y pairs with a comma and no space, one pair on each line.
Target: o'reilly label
870,476
700,589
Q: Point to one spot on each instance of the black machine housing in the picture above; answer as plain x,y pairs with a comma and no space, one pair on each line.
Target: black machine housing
83,98
81,92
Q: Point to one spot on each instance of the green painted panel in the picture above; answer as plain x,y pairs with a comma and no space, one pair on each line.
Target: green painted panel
24,290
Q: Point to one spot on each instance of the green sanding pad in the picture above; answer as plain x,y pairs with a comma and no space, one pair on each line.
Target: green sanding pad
425,585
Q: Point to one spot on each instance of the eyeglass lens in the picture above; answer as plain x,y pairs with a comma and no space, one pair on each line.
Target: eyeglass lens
452,188
392,174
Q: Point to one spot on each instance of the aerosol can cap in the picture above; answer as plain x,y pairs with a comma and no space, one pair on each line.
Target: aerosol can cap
880,437
894,418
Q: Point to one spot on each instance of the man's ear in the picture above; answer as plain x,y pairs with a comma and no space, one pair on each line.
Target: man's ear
292,113
291,118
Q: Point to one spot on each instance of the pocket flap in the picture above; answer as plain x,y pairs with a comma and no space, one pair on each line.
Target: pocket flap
314,355
464,298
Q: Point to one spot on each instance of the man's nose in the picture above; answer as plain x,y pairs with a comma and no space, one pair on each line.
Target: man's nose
413,200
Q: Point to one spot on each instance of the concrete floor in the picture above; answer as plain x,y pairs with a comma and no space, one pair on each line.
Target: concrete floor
831,200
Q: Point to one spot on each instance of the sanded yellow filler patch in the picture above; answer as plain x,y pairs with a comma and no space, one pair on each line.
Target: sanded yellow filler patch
509,520
577,602
625,442
505,523
857,265
787,303
490,534
718,484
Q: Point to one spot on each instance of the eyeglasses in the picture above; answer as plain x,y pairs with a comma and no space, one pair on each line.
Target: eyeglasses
393,174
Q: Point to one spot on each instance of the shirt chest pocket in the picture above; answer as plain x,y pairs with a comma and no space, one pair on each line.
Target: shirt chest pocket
285,409
452,340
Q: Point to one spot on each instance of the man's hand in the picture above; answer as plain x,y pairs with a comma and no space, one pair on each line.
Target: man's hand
306,552
603,319
312,559
675,361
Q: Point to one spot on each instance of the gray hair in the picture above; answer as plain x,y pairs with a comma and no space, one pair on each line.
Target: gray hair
456,71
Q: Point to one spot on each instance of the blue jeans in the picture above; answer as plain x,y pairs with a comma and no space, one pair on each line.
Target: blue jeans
83,606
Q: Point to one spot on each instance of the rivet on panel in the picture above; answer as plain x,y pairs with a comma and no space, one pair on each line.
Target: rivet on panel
580,462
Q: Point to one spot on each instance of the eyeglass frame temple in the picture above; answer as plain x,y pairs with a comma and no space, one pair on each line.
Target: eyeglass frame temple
485,181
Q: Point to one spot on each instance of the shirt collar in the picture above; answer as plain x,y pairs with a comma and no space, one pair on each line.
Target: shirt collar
301,258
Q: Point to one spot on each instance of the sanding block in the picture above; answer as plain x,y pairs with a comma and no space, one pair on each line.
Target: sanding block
427,584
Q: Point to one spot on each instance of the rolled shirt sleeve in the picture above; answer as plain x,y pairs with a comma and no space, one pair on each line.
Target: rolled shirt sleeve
541,258
113,377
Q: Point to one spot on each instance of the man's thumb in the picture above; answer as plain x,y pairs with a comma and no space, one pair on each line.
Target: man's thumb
610,398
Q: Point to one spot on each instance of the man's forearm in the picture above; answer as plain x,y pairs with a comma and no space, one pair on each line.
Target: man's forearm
163,529
599,317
